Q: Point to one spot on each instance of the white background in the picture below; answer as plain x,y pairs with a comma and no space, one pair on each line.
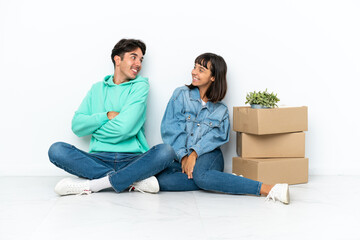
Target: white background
53,51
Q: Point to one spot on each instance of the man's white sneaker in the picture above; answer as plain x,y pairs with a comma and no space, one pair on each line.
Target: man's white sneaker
149,185
69,186
280,192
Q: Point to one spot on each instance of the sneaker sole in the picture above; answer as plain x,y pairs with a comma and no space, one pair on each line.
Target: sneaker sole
287,199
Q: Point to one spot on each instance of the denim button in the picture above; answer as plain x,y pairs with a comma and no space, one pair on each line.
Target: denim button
198,124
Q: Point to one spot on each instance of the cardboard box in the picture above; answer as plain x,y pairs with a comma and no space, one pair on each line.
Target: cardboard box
272,145
273,170
270,121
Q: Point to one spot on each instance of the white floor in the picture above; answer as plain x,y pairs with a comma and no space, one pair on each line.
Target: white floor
328,207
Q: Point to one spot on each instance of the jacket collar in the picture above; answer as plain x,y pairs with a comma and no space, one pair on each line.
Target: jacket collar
195,96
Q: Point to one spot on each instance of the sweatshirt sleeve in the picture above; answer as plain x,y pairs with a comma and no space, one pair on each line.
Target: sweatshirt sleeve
173,126
84,122
130,119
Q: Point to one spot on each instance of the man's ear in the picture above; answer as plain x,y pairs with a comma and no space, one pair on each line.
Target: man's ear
117,59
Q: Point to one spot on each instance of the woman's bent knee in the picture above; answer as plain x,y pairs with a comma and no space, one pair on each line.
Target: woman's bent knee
200,178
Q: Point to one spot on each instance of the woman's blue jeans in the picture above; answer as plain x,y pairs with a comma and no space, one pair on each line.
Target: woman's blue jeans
207,175
123,169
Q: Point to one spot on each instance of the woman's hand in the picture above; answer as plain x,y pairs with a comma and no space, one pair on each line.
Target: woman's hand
188,164
183,161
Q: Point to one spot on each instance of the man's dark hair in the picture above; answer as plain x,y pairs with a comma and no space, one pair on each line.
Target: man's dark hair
217,90
127,45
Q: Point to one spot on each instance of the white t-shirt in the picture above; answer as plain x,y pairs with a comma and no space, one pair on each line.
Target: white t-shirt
203,103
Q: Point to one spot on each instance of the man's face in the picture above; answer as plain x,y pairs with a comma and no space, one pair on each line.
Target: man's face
130,65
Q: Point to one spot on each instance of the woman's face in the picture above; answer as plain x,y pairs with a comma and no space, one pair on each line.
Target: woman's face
201,77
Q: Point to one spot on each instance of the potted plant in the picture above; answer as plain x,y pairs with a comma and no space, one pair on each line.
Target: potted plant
262,99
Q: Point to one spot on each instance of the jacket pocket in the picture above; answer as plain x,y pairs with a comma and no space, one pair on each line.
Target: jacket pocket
208,125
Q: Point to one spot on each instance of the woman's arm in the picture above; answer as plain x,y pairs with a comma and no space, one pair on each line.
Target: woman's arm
216,137
173,125
213,139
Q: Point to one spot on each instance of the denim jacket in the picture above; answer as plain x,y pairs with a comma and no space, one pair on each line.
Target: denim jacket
188,126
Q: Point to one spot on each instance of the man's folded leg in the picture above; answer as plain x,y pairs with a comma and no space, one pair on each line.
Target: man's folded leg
143,167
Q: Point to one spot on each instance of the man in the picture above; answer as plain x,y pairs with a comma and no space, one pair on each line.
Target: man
114,113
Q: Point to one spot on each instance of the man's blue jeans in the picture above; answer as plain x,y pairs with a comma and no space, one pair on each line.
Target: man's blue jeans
123,169
207,175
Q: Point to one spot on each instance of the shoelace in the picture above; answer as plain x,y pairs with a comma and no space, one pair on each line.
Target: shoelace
132,187
237,175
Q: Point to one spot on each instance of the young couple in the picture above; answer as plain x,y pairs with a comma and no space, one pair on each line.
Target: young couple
195,124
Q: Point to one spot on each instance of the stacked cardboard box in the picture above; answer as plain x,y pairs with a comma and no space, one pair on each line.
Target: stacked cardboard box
271,144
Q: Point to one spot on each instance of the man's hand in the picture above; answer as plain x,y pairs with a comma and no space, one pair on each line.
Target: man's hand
188,164
112,114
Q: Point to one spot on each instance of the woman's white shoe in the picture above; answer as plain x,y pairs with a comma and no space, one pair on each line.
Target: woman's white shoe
280,192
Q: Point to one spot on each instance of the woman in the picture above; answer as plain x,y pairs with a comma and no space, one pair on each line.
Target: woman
196,123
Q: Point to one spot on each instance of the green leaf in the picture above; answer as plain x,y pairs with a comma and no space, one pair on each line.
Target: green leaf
262,98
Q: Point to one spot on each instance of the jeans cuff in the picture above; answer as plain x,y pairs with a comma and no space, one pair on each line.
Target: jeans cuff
258,190
110,174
